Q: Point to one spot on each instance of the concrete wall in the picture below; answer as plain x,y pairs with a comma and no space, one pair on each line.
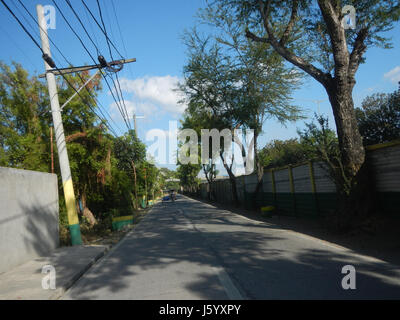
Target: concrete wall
28,216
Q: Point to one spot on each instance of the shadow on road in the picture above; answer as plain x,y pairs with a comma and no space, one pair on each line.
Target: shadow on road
181,242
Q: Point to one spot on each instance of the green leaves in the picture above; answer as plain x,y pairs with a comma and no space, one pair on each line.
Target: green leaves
101,165
379,118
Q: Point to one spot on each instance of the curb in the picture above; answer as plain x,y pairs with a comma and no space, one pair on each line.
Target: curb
59,292
109,249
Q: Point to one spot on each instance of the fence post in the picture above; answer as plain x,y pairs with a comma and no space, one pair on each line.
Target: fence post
292,190
313,186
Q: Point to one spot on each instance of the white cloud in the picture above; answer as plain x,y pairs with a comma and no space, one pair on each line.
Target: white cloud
145,109
393,75
158,90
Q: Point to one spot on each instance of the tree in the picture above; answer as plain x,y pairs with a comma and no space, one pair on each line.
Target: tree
321,143
314,39
24,120
130,152
168,178
101,164
187,174
379,118
197,121
279,153
232,83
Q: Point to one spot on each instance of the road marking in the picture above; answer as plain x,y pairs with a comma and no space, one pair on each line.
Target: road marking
230,289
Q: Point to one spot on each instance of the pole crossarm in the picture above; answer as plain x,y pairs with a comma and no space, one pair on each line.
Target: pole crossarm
58,71
134,117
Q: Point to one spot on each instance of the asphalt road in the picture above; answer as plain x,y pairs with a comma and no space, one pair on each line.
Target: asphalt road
191,250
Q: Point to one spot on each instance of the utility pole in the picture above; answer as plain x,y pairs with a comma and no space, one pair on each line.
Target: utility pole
134,176
145,184
134,124
51,149
68,187
134,117
318,102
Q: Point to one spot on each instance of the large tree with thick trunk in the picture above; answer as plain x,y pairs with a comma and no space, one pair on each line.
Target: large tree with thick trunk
313,36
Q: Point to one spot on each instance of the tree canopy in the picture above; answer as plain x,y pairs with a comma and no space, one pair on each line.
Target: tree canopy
101,163
379,118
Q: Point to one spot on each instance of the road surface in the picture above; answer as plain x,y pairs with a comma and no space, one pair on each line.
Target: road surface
192,250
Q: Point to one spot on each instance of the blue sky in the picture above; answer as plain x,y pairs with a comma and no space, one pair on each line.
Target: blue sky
151,31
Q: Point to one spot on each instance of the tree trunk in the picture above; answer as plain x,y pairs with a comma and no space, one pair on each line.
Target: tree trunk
232,179
134,176
354,184
350,140
259,171
208,181
86,212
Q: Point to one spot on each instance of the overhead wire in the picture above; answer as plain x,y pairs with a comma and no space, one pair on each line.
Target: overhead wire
121,36
120,94
97,102
98,24
91,56
36,43
121,107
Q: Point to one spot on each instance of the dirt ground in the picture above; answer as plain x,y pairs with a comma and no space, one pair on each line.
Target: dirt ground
380,239
112,237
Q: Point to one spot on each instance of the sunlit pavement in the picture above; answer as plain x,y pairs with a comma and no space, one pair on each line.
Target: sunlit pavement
190,250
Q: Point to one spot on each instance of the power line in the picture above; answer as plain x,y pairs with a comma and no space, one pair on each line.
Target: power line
23,27
97,49
109,43
122,108
50,61
81,23
82,43
121,36
119,27
46,57
92,29
109,48
105,30
14,42
98,24
92,96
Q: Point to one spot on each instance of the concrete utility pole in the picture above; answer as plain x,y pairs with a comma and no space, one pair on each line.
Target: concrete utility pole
69,195
134,117
145,184
51,149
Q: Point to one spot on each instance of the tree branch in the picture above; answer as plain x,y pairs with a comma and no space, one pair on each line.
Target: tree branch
316,73
307,67
336,33
358,50
290,25
75,136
